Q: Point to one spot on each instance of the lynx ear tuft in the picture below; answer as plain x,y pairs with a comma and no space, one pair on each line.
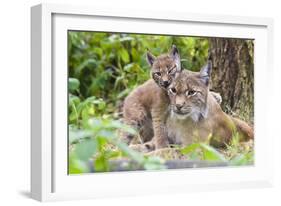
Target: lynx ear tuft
205,73
174,53
150,58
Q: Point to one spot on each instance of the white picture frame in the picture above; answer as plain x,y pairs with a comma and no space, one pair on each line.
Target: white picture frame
49,179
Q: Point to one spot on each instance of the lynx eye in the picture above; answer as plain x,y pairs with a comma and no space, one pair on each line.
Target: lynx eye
172,71
173,90
191,93
157,74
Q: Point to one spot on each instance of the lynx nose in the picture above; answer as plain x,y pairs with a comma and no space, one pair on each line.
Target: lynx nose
179,106
166,83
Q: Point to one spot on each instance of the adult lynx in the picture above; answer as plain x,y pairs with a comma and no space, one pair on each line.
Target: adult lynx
195,115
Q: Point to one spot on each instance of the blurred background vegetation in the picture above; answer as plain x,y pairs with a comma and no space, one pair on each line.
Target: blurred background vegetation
110,65
103,69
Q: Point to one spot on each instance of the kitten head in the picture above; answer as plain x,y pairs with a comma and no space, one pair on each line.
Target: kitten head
165,67
188,94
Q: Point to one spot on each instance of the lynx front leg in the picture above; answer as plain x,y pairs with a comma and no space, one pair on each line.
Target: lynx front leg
159,127
128,138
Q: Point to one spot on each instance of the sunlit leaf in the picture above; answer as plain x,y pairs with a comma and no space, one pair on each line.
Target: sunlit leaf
190,148
98,51
124,55
210,154
101,164
76,166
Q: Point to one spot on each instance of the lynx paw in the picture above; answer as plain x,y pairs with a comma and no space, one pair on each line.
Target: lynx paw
144,148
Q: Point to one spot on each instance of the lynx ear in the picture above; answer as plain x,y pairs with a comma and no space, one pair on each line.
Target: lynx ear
174,53
150,58
205,73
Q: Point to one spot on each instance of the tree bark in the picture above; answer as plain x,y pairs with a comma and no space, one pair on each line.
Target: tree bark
233,75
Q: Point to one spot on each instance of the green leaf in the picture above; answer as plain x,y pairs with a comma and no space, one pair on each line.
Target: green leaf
95,124
101,164
101,105
89,62
118,81
135,55
124,55
210,154
106,134
243,159
190,148
128,67
76,166
86,149
129,152
73,84
73,99
125,128
75,134
98,51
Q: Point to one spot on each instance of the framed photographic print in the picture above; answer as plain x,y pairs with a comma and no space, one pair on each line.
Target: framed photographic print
135,102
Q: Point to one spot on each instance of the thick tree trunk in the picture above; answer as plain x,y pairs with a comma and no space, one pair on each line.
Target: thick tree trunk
233,75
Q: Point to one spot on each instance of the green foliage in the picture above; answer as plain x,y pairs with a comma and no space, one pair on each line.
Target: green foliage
202,151
98,140
107,64
240,153
90,107
236,153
